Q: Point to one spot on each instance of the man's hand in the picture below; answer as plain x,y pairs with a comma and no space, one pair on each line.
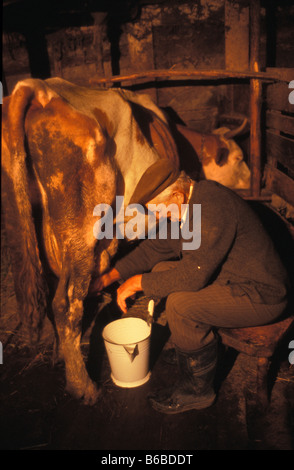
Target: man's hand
98,284
128,289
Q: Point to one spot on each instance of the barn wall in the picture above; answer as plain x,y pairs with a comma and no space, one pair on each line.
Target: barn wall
162,34
167,34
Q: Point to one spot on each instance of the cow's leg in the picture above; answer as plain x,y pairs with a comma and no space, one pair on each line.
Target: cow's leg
68,313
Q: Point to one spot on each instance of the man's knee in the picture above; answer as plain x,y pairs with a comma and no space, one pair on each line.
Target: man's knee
184,318
183,306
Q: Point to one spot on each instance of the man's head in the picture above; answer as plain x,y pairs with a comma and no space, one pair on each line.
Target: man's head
154,180
165,186
168,203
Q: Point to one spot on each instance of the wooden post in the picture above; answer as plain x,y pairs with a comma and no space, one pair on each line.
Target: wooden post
255,100
236,36
98,41
236,50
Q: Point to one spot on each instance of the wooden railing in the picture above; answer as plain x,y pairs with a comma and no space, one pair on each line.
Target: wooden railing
201,74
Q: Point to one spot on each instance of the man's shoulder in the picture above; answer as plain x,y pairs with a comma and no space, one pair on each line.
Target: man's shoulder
218,198
212,189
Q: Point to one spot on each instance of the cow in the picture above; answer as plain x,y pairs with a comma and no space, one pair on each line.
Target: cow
65,149
215,156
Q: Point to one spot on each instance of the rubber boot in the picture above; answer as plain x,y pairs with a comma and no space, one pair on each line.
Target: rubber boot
169,356
194,388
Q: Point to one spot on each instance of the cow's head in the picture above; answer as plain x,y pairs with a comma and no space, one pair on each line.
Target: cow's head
228,167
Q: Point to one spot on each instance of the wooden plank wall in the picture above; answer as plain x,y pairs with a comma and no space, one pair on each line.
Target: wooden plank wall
279,168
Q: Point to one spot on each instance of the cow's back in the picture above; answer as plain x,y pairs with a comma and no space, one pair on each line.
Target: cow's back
137,130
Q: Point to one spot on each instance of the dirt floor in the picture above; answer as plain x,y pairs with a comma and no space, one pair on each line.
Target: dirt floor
37,414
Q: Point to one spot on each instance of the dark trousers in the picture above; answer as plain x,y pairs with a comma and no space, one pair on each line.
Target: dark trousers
192,316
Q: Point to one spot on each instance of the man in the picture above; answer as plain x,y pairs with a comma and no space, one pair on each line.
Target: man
233,279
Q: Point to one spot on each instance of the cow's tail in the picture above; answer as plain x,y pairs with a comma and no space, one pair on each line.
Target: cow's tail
30,283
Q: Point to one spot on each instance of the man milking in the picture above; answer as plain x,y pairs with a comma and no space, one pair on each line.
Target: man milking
233,279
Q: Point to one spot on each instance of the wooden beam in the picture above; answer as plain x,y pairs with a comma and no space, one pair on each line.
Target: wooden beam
265,196
200,74
284,74
255,100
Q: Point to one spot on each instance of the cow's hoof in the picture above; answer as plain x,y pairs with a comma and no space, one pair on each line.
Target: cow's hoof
91,394
87,391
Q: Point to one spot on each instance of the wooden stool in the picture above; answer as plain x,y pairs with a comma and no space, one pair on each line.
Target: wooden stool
260,342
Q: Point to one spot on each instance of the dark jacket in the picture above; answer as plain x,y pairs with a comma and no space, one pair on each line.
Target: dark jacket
235,250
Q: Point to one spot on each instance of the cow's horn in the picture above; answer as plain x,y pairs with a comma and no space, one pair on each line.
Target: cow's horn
233,132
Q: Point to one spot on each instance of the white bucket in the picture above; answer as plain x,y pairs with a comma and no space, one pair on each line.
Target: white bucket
127,344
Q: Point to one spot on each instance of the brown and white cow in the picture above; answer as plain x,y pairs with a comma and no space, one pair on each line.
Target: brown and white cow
214,156
66,149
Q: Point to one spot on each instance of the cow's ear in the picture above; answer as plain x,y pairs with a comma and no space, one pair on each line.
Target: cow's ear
222,156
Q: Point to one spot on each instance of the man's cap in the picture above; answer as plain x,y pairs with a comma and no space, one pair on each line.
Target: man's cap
154,180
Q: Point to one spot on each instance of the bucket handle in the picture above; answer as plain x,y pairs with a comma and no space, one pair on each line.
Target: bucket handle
150,313
132,350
